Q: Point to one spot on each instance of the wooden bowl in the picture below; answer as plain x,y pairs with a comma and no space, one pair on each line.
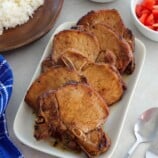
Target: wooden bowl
42,21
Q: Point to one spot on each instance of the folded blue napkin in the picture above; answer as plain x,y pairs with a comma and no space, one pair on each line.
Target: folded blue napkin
7,148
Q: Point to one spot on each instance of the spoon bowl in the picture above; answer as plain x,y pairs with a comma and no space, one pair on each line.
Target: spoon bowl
146,128
152,151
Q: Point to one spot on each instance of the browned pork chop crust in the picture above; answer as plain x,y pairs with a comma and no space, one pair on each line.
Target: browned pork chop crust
74,59
106,80
84,42
54,78
110,17
109,40
77,111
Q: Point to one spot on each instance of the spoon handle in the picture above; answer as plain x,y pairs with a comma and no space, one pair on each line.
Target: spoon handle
130,152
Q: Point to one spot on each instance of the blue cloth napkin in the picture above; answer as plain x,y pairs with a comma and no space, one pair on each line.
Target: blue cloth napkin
6,84
7,148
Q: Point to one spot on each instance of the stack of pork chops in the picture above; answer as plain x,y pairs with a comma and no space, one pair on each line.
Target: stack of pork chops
81,79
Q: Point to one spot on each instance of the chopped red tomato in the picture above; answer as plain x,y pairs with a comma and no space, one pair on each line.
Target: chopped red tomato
143,18
139,9
156,2
147,13
155,25
148,4
149,20
151,27
155,13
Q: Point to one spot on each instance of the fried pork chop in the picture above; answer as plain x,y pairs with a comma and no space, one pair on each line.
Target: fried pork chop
74,59
110,17
84,42
77,111
71,58
106,56
47,63
106,80
53,78
109,40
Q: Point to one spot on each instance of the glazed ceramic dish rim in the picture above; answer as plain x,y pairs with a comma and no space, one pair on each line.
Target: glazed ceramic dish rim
24,130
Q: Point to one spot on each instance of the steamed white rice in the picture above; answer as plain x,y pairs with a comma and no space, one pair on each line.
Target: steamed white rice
16,12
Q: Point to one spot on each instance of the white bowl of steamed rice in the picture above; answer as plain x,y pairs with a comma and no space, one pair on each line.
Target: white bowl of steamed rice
16,12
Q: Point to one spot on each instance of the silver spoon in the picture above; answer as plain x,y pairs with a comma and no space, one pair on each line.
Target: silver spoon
146,128
152,151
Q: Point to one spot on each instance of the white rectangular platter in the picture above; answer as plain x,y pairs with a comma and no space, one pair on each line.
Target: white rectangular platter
24,120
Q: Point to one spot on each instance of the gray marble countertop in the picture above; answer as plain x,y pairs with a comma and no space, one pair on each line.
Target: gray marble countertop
25,60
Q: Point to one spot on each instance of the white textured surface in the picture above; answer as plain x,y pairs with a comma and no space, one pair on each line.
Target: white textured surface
25,60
